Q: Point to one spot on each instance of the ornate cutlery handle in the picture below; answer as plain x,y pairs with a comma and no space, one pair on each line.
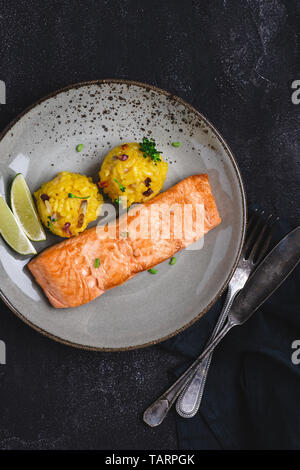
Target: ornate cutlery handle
156,413
190,398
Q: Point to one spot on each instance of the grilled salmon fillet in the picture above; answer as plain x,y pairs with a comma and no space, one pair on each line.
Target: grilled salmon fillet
82,268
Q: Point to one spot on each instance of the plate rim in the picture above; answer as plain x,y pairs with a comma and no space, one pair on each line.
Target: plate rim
229,153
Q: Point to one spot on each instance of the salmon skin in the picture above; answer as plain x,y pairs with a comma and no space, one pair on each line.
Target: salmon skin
82,268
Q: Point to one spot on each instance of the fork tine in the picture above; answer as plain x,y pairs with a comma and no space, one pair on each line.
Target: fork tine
253,230
266,243
259,238
251,218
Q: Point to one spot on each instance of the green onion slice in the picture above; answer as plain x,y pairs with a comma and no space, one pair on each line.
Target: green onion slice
152,271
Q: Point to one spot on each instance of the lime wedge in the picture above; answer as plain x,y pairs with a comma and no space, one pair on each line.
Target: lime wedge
24,209
11,231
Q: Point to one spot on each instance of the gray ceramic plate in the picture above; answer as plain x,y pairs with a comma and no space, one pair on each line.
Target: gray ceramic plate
101,114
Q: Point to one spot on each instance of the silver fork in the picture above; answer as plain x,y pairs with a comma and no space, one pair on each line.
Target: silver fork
253,251
257,241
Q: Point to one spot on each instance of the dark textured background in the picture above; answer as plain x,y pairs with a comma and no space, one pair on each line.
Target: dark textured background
233,60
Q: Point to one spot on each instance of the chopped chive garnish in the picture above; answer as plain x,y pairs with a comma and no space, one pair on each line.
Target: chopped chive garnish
124,234
152,271
117,201
97,263
176,144
49,223
79,147
120,185
71,196
173,261
148,148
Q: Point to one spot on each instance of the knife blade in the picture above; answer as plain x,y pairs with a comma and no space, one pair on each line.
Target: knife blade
268,276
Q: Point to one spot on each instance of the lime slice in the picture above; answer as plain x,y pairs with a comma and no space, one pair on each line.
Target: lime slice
11,231
24,209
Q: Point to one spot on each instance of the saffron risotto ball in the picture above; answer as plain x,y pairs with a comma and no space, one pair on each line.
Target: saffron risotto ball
134,173
68,203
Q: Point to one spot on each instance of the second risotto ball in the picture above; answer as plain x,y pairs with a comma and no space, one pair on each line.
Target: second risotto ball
126,171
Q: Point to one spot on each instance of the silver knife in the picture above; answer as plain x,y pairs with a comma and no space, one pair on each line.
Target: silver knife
269,275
